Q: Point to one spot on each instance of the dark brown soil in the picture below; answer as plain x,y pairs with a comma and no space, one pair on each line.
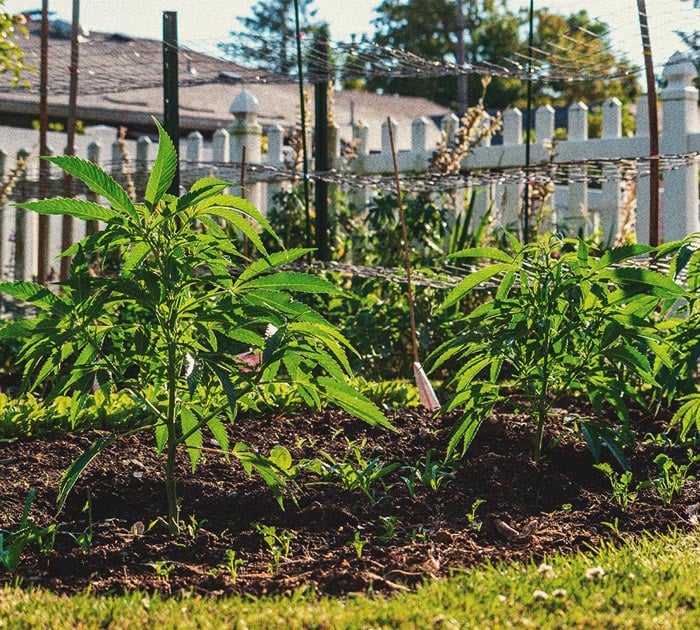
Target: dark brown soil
433,534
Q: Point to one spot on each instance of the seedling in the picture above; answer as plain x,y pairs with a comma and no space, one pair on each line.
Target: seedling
620,485
232,564
389,526
278,543
357,543
472,520
672,476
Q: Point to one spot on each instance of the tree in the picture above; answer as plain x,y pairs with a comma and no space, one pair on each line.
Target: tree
269,39
495,34
12,61
576,44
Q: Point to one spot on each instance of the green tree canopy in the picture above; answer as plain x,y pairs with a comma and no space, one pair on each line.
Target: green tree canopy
268,40
494,33
12,62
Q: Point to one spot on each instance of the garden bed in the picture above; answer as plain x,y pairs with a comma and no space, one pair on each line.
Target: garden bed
388,537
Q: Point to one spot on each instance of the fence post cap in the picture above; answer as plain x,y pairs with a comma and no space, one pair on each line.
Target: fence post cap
245,103
679,69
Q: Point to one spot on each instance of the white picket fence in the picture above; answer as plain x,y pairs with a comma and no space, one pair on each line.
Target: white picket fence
573,204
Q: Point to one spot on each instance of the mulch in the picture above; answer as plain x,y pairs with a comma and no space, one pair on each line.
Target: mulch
342,541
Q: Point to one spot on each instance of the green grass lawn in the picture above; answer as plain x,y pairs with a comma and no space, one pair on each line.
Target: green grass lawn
646,583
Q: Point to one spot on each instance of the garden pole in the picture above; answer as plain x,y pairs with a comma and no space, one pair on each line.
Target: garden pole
462,77
171,96
302,108
43,254
67,221
321,86
425,389
528,129
653,126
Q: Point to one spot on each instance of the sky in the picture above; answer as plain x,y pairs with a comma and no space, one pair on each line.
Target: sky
210,21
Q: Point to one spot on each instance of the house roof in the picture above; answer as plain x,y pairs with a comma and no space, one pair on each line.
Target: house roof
120,84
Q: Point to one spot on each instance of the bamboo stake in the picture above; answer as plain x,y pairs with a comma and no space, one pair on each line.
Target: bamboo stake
425,389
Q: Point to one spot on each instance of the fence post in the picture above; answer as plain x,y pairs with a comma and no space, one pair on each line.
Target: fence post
220,146
512,137
544,124
642,221
611,193
578,184
94,154
20,236
386,141
680,115
143,158
246,132
359,197
275,157
195,149
194,156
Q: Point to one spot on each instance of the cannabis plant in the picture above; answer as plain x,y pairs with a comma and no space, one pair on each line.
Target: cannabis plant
214,326
563,321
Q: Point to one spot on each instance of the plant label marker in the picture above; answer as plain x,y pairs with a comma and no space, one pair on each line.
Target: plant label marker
426,393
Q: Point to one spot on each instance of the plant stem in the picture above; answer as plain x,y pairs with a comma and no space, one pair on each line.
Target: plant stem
170,478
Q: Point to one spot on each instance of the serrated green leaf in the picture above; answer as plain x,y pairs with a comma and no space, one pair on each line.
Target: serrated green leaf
77,466
624,276
227,386
163,169
226,205
32,293
472,280
134,257
618,254
293,281
281,457
84,210
276,259
219,432
242,224
161,435
354,403
193,436
490,253
465,432
97,181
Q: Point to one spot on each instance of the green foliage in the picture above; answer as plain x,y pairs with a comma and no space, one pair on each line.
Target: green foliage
493,33
13,541
681,320
12,58
278,543
354,471
473,520
269,40
672,476
206,305
620,484
28,416
430,471
564,320
357,543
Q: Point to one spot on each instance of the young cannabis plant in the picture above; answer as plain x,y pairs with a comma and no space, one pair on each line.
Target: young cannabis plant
561,321
202,305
